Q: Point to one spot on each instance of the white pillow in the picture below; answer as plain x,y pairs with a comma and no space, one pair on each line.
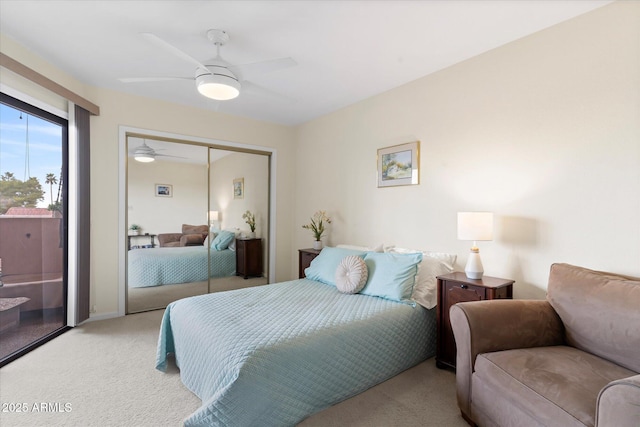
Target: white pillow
351,274
380,248
433,264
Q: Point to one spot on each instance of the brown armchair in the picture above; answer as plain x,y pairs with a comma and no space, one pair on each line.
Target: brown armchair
192,235
570,360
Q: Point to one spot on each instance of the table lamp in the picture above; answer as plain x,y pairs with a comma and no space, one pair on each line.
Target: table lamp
476,226
214,217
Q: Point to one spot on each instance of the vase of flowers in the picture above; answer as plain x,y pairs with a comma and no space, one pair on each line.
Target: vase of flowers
319,220
250,219
134,230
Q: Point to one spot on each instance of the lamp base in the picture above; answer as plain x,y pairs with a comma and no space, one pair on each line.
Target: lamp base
474,269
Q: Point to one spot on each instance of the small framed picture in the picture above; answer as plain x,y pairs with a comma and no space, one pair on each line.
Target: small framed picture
238,188
399,165
164,190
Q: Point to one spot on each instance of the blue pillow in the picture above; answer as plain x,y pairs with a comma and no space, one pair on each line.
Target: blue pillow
323,267
222,240
391,276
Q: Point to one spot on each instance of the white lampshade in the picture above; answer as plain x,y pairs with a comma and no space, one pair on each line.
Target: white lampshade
214,216
475,226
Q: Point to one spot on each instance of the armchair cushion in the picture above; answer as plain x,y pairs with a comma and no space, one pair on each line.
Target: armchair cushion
498,325
192,240
557,384
192,235
169,239
195,229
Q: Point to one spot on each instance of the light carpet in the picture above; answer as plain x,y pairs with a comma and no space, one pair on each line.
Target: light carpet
102,374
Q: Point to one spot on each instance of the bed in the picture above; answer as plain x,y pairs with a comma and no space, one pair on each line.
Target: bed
174,265
275,354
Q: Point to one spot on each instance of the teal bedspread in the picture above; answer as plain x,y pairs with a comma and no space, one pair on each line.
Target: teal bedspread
272,355
165,266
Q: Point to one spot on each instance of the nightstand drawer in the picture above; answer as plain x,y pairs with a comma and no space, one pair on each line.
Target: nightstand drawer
456,292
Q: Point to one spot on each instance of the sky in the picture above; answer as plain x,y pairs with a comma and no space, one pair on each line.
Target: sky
45,148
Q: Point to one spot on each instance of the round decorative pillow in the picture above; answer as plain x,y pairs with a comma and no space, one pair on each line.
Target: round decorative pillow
351,275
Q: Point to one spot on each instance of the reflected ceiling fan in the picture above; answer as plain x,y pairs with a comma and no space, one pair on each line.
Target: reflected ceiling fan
216,78
145,154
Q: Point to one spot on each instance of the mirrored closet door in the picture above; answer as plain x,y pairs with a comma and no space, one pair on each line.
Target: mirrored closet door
167,216
239,205
190,211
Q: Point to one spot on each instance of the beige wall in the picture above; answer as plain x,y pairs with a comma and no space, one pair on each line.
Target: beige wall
544,132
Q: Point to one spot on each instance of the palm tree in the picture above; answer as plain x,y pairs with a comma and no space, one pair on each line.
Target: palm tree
51,179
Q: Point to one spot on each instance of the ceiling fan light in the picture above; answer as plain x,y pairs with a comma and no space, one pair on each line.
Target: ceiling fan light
218,87
144,158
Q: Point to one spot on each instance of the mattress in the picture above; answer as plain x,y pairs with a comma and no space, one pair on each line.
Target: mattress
165,266
275,354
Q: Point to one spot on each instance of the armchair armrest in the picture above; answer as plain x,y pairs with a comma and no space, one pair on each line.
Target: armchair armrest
495,325
192,240
619,403
165,238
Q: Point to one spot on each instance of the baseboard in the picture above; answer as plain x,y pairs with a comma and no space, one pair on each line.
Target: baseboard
103,316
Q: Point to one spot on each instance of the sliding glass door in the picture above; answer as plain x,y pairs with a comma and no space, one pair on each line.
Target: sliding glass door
33,226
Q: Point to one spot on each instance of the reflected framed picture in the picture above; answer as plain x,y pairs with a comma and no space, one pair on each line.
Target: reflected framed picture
238,188
164,190
399,165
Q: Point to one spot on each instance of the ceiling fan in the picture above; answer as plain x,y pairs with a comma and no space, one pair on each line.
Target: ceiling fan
145,154
216,78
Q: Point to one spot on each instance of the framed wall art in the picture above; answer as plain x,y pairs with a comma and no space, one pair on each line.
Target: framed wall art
399,165
238,188
164,190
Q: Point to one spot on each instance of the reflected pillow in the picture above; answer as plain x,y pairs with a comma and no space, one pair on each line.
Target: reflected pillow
222,240
391,276
323,267
236,232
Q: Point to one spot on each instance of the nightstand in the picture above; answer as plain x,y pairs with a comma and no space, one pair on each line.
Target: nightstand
305,256
454,288
249,257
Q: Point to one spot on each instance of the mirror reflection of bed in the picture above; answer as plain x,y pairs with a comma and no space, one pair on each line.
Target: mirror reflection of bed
189,216
145,299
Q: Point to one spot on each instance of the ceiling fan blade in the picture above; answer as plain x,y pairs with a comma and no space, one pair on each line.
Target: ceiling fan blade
250,88
248,71
174,50
167,155
152,79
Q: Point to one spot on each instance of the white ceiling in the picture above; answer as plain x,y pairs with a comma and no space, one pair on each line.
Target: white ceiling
346,51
